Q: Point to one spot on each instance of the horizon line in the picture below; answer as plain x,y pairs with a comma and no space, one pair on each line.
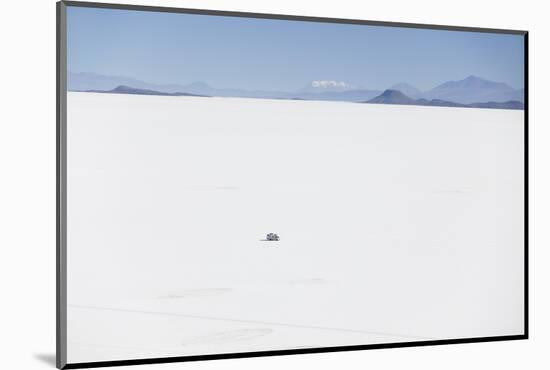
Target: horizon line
306,85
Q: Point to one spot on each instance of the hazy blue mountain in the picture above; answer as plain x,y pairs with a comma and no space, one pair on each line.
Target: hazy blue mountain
517,95
123,89
407,89
474,89
397,97
392,97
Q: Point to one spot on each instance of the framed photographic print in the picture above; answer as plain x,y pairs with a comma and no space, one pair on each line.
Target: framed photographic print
239,184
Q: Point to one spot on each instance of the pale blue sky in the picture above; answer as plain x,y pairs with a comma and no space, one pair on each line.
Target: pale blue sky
280,54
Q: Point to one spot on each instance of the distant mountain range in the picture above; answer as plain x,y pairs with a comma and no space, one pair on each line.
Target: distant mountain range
397,97
123,89
474,89
471,90
96,82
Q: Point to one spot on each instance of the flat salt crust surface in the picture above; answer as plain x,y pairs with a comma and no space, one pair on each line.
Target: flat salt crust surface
397,224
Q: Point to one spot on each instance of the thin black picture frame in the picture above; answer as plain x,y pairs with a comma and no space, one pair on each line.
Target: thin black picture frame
61,187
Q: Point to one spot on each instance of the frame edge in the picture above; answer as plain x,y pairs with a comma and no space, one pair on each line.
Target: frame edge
61,182
526,184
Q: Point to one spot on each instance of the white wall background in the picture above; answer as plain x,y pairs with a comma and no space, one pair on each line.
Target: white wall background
27,183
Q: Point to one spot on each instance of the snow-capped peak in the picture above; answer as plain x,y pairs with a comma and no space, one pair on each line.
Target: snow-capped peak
329,84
